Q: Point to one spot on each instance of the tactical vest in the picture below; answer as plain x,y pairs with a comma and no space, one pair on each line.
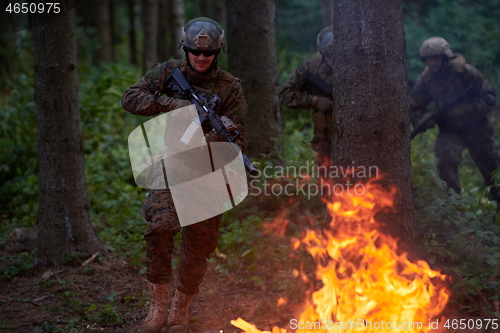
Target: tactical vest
222,87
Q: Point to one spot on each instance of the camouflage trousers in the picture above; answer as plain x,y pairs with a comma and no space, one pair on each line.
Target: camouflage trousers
481,146
323,149
199,240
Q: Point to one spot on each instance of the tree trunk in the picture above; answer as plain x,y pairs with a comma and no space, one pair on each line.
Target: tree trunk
252,58
219,12
177,21
370,102
132,31
163,47
150,10
327,12
203,9
104,27
63,215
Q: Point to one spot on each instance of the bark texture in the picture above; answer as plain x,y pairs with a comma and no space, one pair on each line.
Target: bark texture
252,57
63,215
371,123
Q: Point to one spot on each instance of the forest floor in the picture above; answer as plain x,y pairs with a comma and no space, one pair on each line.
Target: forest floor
109,295
53,300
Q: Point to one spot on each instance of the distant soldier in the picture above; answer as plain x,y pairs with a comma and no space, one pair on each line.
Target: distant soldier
202,39
309,87
444,78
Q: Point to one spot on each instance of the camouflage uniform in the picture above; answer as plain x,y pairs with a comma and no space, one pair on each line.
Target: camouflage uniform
465,126
199,239
295,95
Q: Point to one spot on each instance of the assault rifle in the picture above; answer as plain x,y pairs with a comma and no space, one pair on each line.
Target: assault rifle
208,118
313,82
441,112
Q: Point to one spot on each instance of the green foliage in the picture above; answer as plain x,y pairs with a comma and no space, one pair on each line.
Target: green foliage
18,153
12,266
85,315
471,27
293,44
115,199
459,233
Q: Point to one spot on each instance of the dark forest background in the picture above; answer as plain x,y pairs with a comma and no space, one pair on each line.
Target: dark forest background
116,44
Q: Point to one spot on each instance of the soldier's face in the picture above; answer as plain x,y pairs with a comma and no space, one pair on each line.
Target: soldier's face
434,63
201,63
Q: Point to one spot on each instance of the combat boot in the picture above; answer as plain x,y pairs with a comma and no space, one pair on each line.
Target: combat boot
178,316
157,316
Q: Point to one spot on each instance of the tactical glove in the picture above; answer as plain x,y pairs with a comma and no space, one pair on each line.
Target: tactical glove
170,103
322,104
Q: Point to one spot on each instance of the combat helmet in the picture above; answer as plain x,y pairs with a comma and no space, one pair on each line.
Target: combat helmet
325,41
203,34
435,46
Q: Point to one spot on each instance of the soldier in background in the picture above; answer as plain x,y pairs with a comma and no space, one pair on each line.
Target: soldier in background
304,91
202,39
444,78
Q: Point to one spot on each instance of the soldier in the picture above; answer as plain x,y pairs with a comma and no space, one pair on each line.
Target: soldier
302,91
202,39
466,126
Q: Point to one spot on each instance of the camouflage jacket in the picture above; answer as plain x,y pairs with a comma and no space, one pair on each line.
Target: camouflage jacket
139,99
294,95
445,86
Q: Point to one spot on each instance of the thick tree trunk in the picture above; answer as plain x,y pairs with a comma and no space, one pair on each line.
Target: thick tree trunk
132,31
327,12
150,52
177,21
163,27
252,58
63,215
370,101
104,27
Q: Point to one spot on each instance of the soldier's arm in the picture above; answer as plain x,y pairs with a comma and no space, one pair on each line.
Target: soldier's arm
419,99
143,98
485,96
292,94
235,108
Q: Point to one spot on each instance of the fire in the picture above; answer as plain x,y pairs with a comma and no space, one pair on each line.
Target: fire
366,285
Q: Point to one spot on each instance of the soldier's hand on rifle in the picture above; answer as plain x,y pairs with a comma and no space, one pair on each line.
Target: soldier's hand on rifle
212,137
169,102
322,104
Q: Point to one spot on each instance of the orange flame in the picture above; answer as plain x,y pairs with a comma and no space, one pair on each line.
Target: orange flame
367,285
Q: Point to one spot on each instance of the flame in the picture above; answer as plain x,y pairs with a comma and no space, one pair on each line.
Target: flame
367,285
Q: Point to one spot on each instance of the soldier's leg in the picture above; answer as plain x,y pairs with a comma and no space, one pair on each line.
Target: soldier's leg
323,149
163,223
199,240
448,150
481,146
